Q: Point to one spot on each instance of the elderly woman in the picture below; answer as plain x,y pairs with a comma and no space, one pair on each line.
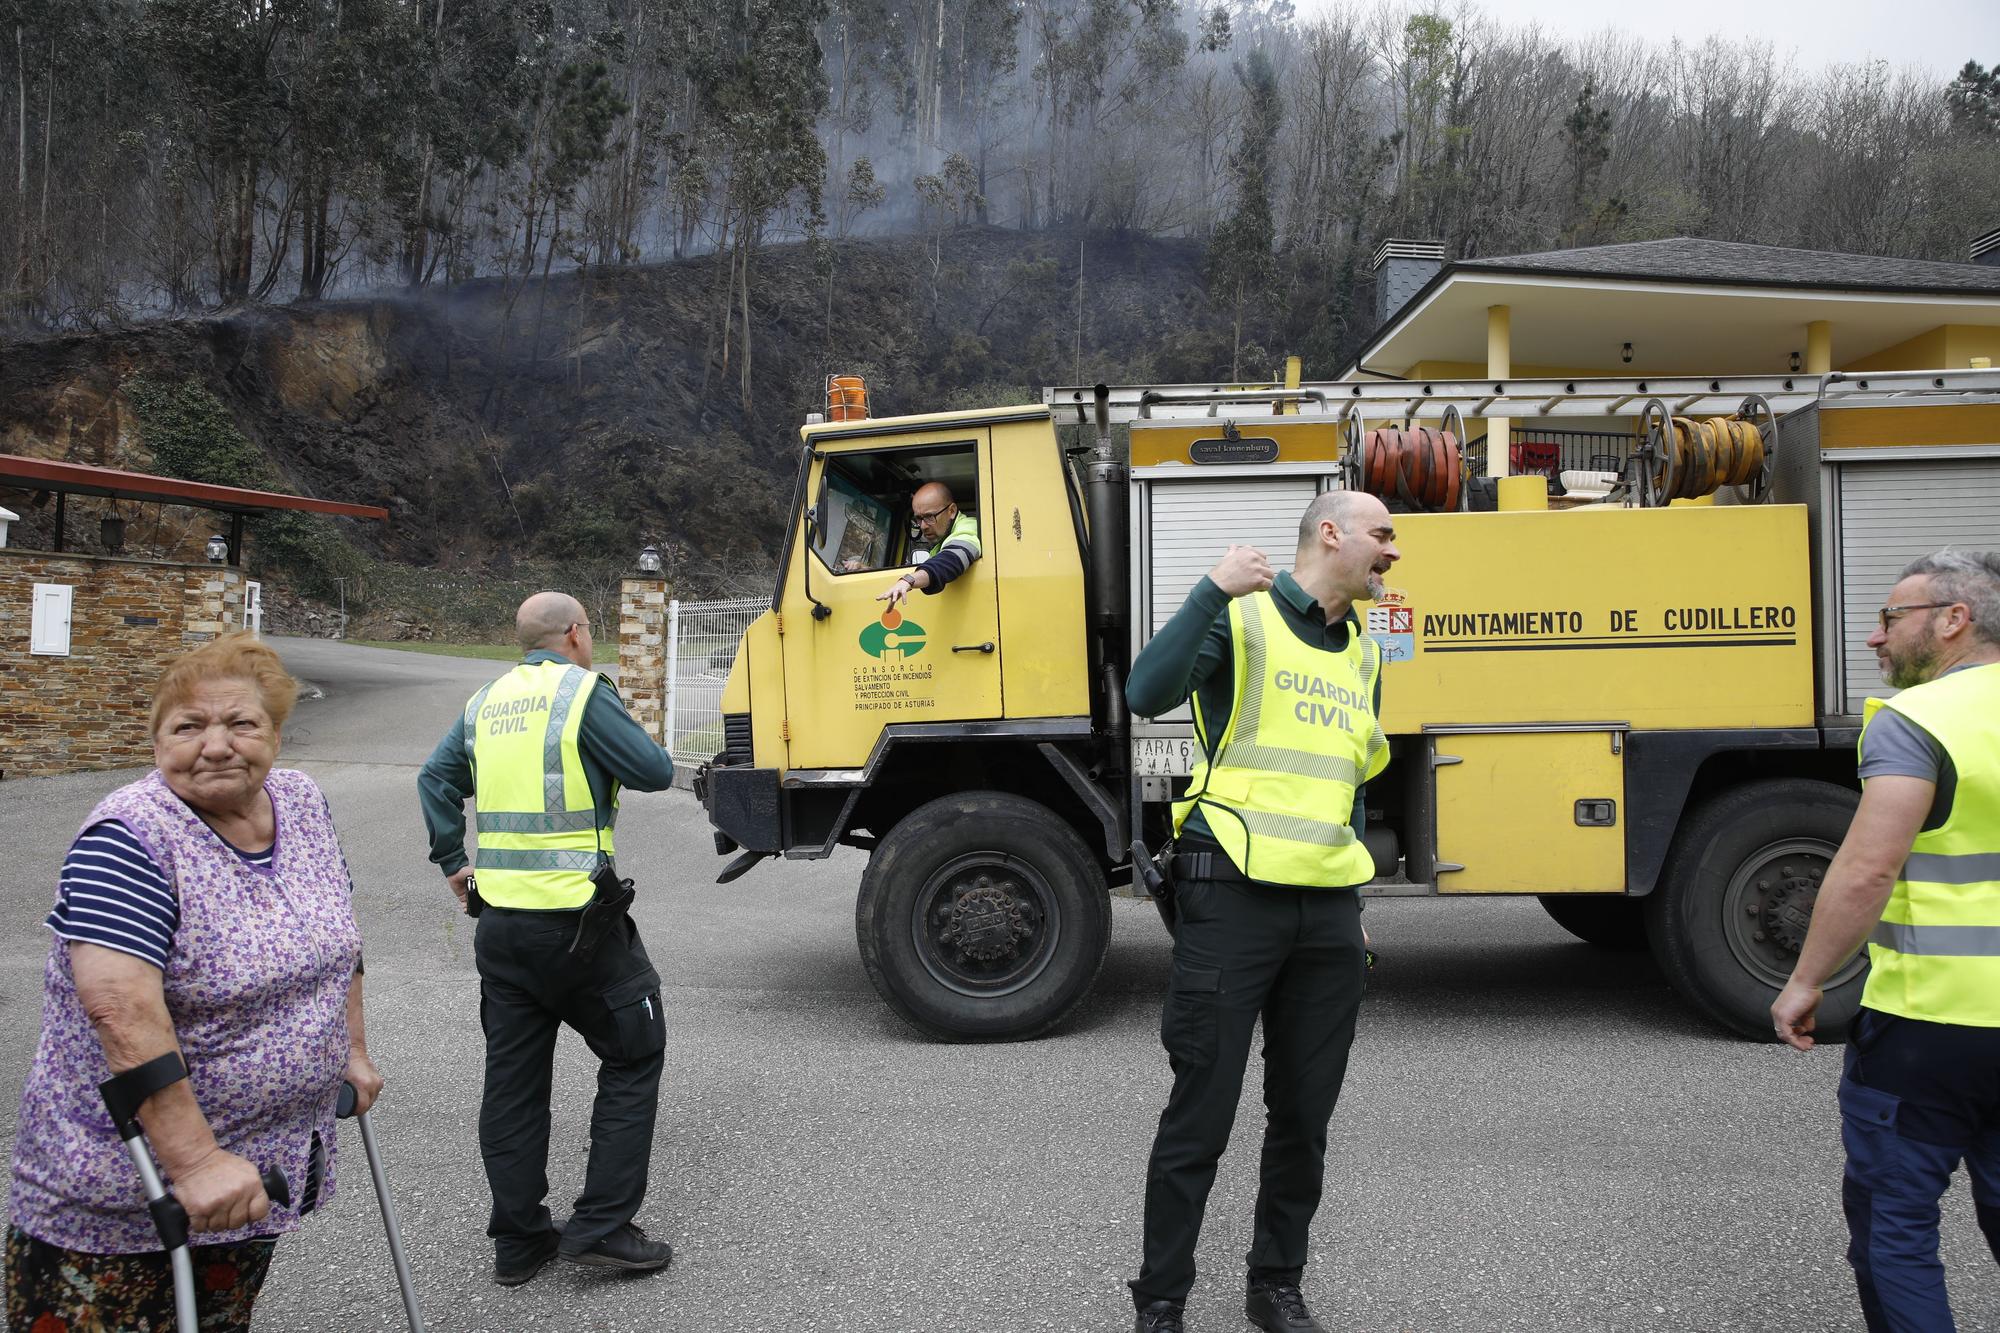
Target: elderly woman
204,909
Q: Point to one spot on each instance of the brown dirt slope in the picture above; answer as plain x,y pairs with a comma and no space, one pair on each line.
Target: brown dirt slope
508,421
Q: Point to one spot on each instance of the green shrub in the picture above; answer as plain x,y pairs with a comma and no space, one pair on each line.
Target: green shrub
194,437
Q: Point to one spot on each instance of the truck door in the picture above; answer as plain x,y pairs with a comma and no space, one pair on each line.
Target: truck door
1529,809
852,665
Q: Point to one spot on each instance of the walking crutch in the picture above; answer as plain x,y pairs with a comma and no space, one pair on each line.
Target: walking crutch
344,1109
123,1095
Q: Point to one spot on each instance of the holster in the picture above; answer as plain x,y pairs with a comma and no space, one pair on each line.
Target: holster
1155,873
608,905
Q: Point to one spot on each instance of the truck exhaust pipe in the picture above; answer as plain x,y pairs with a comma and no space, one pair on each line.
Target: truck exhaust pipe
1106,498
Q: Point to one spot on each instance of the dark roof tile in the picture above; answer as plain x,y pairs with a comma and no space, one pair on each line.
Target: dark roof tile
1689,259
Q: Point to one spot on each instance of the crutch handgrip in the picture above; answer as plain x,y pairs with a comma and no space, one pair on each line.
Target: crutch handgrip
123,1095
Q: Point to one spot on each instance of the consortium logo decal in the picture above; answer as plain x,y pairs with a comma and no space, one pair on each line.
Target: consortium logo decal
893,639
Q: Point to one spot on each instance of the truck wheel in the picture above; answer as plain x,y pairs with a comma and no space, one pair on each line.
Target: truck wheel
1608,921
1736,896
983,916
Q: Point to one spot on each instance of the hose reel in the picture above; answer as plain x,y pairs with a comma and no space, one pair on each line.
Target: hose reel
1422,466
1685,458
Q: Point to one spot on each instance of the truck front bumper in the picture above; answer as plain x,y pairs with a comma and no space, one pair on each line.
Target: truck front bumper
743,805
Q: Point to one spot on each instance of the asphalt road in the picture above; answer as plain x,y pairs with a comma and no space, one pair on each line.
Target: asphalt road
1533,1135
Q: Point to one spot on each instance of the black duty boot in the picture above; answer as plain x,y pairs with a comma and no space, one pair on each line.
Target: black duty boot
1158,1317
626,1248
513,1272
1277,1307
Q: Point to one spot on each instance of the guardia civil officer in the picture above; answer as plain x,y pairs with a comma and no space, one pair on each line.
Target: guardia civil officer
1918,879
543,751
1286,693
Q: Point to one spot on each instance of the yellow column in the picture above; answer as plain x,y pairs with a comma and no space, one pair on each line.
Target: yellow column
1819,347
1292,371
1499,366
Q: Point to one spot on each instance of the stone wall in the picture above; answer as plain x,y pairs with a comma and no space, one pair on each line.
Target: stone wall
128,619
642,653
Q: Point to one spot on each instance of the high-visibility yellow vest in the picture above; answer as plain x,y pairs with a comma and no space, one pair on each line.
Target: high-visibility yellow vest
537,825
964,531
1935,955
1277,788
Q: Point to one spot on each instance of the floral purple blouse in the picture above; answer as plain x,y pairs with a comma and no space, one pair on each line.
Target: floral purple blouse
256,984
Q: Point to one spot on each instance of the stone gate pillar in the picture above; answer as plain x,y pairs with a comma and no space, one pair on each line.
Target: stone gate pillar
642,653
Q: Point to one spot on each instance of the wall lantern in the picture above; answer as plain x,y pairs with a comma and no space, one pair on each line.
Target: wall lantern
111,533
1795,363
1626,352
649,560
218,549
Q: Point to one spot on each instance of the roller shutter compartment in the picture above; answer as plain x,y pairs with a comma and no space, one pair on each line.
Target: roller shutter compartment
1891,513
1193,522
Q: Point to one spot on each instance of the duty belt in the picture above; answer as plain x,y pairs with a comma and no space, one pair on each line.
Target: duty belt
1217,868
1214,866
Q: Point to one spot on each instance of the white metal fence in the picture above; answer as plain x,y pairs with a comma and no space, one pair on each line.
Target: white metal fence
701,646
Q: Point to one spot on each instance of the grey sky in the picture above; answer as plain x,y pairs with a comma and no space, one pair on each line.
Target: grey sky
1934,35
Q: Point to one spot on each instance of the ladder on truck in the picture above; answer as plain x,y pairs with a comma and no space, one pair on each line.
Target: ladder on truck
1656,402
1516,399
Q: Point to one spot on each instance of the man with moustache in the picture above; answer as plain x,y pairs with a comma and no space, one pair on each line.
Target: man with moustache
1287,693
1918,879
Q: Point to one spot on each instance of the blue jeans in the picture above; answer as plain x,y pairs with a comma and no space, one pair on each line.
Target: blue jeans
1916,1098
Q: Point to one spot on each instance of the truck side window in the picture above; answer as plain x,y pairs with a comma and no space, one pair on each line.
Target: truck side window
867,523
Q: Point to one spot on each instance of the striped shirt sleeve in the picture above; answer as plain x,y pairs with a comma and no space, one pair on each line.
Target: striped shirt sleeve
113,893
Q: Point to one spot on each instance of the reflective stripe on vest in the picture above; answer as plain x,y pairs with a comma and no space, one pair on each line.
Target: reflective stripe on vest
1277,789
1935,955
537,824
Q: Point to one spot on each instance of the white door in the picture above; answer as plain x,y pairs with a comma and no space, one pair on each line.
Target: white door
253,608
49,624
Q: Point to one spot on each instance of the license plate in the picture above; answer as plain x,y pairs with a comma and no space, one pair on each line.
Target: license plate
1163,756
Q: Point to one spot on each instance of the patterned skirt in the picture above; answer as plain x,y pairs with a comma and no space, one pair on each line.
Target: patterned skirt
53,1290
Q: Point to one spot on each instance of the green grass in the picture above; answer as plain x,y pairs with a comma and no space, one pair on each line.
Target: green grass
492,652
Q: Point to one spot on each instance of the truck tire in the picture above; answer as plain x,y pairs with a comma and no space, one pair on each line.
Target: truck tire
1611,922
1736,896
983,917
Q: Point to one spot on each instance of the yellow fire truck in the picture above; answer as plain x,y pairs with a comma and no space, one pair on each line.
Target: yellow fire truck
1644,712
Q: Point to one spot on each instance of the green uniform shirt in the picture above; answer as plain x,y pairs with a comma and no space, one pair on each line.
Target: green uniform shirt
612,746
1192,654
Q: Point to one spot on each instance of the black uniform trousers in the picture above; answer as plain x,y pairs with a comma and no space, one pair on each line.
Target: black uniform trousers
528,987
1245,949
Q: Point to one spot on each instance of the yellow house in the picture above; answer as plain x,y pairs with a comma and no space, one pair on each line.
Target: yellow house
1681,306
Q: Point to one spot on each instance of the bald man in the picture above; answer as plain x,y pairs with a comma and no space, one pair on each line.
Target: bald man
951,537
1270,861
543,751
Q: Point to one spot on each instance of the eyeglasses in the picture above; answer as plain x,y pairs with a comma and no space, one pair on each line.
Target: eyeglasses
577,624
1890,614
925,518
